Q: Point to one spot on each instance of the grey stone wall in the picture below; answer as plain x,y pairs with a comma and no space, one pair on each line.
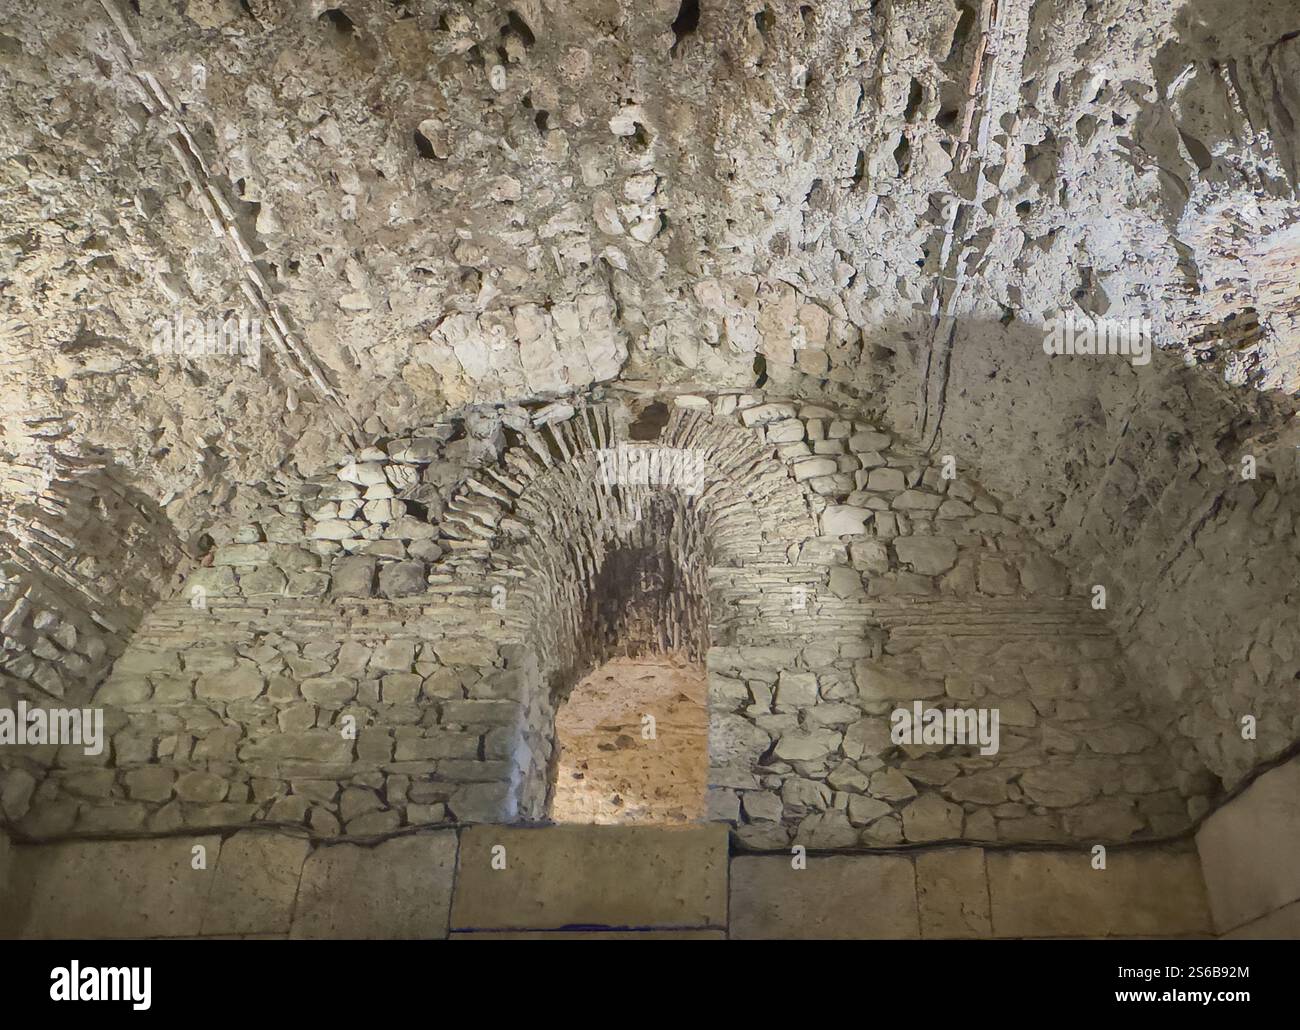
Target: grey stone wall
384,647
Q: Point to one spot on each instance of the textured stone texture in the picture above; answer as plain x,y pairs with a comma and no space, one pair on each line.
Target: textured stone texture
342,582
1282,924
1140,893
1250,850
597,882
144,888
952,893
255,885
856,896
400,888
603,876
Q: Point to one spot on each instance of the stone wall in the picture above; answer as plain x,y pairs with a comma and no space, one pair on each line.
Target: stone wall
440,593
608,881
347,718
1133,478
82,558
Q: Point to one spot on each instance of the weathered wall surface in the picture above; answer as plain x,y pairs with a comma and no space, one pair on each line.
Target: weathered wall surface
612,881
888,198
841,574
1133,478
84,556
517,200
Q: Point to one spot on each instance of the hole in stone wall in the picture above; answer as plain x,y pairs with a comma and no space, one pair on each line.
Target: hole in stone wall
962,32
1199,152
424,146
520,28
687,20
914,97
339,21
632,744
903,155
650,423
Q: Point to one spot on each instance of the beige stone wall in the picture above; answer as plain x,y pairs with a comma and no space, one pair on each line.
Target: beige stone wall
1250,851
441,591
488,881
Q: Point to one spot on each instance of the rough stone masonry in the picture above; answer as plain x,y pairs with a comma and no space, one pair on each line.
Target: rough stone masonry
804,254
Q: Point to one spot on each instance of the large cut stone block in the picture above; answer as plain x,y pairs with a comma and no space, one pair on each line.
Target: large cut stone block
95,889
840,896
398,889
599,876
953,893
1141,893
1250,849
256,883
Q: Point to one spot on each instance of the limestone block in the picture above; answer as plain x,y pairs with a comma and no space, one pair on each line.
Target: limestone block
1250,849
1141,893
952,893
886,480
398,889
927,555
600,876
110,889
840,896
255,884
844,520
931,818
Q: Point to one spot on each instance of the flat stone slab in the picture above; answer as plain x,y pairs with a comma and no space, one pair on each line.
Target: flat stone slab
256,883
1140,893
1250,849
952,892
400,889
95,889
559,877
840,896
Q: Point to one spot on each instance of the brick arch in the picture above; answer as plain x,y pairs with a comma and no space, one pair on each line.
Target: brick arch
565,510
600,560
748,501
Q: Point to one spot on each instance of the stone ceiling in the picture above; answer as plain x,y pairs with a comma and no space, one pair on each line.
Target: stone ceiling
430,205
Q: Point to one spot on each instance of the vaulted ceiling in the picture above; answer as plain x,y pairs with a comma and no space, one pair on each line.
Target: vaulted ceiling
428,204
